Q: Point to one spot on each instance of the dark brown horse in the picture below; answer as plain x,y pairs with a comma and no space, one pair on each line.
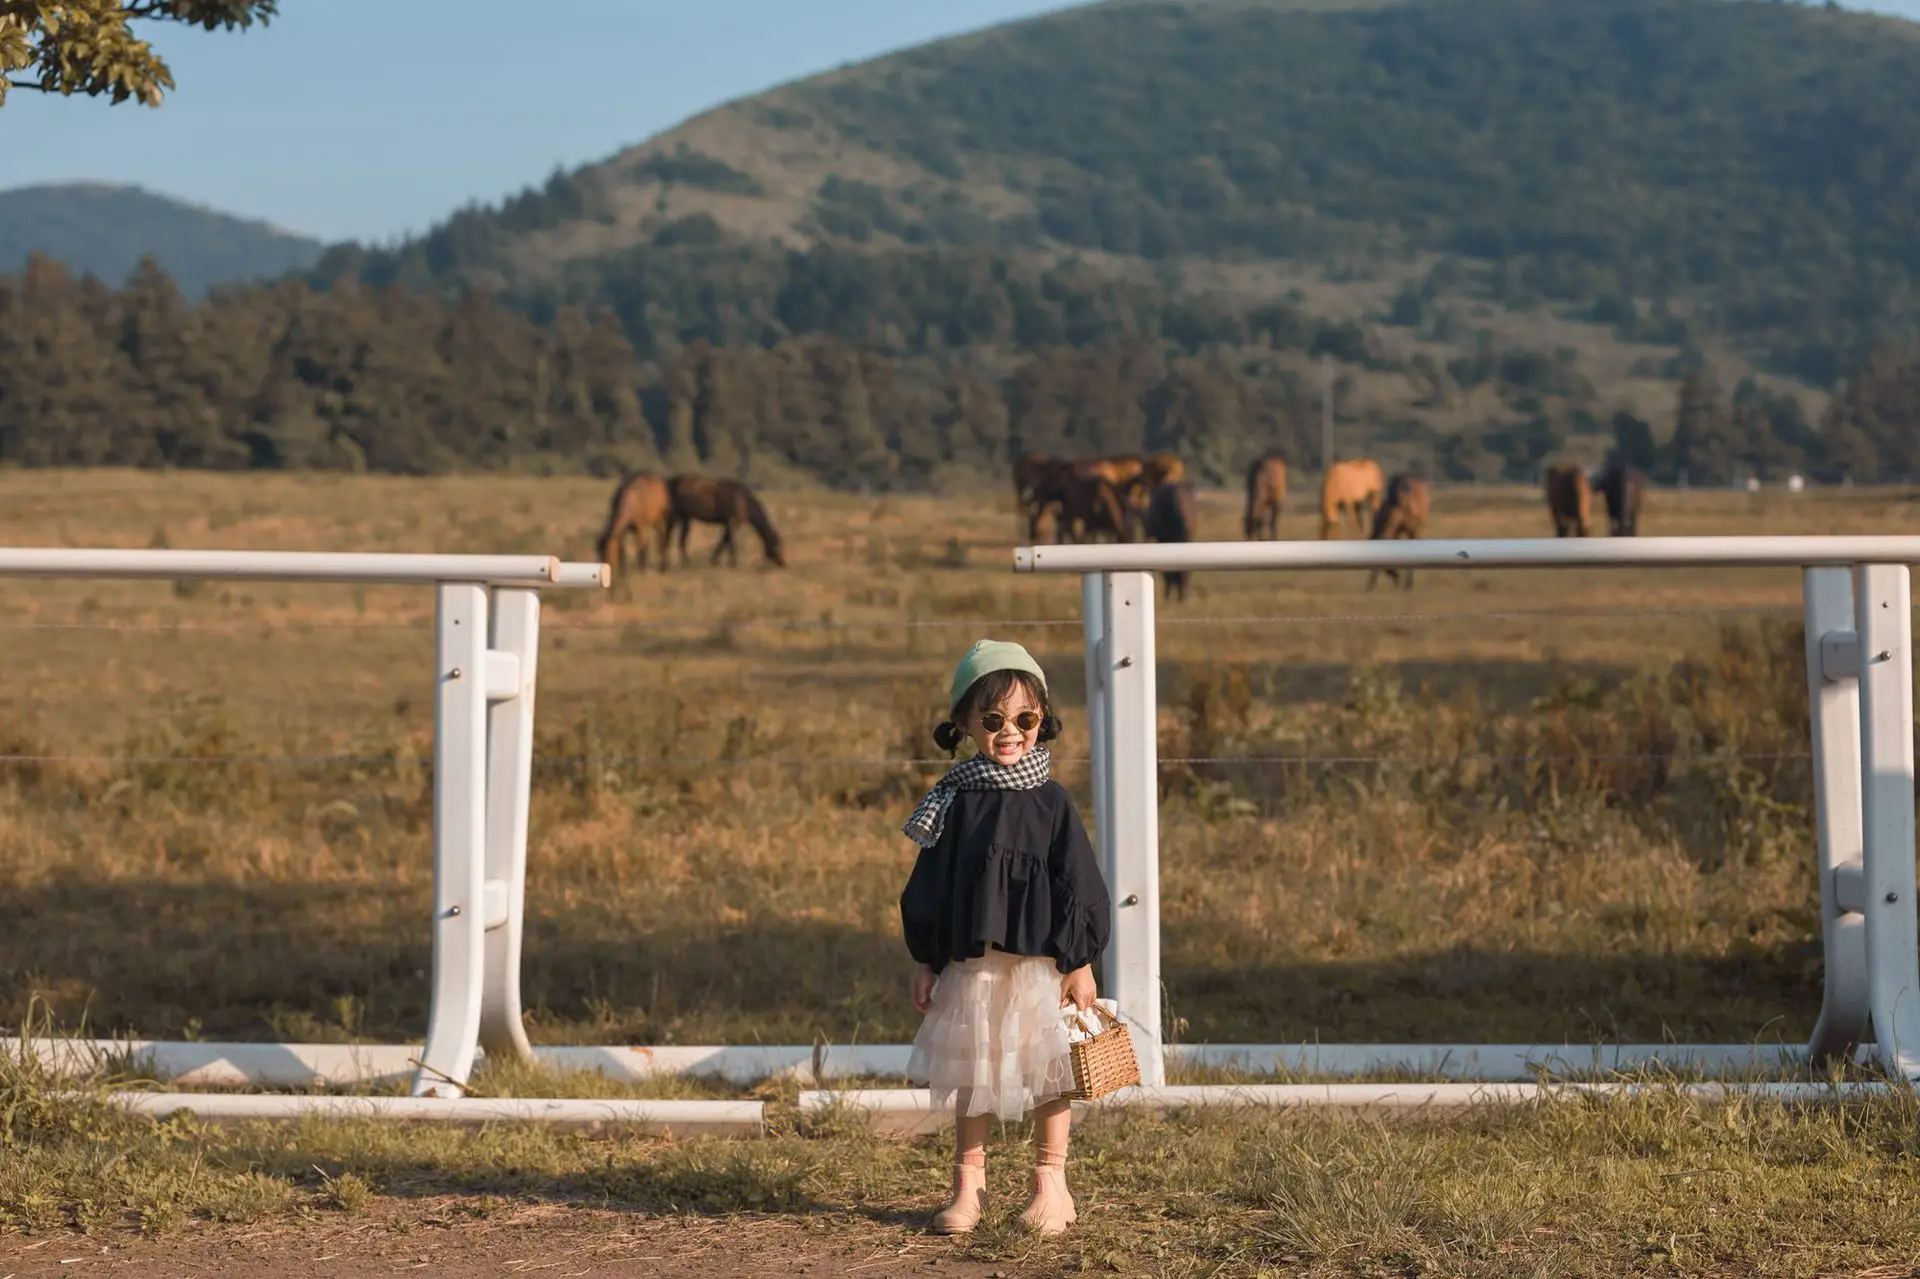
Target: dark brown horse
728,503
1090,506
1036,485
640,507
1266,497
1403,514
1624,489
1569,500
1170,518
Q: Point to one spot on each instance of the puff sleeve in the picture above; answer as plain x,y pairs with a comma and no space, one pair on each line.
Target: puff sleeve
923,901
1082,910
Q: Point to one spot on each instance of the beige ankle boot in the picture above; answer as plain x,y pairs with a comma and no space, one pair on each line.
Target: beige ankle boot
969,1201
1051,1211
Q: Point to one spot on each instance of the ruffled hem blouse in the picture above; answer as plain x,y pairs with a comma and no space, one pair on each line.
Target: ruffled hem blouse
1012,871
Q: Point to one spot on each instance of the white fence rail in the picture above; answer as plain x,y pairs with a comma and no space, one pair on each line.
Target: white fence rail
1858,613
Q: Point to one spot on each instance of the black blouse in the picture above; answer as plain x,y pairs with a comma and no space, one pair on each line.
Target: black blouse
1013,870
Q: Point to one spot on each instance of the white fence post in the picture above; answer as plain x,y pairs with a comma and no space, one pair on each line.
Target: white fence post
1833,693
1093,615
1883,610
1133,763
459,839
512,660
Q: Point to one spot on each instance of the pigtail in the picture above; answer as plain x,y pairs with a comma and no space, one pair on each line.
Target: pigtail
1049,727
947,736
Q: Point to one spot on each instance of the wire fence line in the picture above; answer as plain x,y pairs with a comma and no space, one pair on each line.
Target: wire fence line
695,762
552,626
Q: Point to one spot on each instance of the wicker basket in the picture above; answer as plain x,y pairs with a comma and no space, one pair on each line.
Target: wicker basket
1103,1062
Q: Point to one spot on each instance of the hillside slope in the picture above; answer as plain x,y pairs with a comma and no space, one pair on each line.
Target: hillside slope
1752,166
104,230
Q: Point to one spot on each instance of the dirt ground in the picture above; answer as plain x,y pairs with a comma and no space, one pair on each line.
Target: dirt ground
546,1240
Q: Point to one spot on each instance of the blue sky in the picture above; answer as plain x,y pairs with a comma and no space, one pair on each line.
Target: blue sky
369,119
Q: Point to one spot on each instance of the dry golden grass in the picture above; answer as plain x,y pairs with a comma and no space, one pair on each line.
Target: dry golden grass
1486,878
1558,816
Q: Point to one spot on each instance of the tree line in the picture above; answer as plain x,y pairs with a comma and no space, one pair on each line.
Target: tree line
361,378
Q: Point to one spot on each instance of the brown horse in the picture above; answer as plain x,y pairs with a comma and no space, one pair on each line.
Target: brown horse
1349,487
1127,473
1170,518
727,503
641,506
1402,514
1089,506
1266,497
1164,467
1569,500
1624,489
1036,486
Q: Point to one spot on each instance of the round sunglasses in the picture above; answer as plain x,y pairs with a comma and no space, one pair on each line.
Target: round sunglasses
1025,721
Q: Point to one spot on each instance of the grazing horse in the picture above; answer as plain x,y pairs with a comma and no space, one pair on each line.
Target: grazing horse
1402,514
1624,489
1170,518
1569,500
1090,505
1266,496
724,502
1349,487
641,506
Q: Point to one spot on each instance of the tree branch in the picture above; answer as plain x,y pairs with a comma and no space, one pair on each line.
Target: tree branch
29,84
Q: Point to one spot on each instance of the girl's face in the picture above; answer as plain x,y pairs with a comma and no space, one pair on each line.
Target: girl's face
997,730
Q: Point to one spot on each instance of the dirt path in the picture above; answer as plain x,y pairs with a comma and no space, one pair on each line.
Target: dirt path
537,1240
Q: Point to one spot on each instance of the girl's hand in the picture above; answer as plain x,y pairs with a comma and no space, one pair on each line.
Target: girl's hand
1076,988
923,987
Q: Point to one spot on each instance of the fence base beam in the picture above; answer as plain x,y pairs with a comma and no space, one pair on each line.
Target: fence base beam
653,1118
909,1111
344,1065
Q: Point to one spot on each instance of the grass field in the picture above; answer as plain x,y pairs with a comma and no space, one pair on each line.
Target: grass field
1520,806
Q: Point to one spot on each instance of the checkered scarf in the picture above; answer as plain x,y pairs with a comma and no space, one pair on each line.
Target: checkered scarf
978,773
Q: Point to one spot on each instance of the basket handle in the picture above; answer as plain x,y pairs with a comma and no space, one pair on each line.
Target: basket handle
1097,1008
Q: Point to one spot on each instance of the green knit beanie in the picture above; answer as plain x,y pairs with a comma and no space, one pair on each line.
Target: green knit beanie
986,657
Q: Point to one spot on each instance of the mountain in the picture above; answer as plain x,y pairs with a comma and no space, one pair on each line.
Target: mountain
1671,174
104,230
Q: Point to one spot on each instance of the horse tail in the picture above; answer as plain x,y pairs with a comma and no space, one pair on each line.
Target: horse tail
613,516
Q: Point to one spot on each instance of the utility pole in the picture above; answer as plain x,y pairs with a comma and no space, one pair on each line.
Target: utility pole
1326,411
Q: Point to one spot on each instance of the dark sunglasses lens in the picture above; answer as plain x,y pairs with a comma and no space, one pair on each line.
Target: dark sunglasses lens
1025,721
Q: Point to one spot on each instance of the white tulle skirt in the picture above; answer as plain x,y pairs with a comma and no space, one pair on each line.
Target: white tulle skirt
995,1040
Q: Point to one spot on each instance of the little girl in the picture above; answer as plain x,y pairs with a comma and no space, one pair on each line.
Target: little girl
1005,913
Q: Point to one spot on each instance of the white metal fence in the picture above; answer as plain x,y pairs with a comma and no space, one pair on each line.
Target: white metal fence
1858,608
486,654
487,626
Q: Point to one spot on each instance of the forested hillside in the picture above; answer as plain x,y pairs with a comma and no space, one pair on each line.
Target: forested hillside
383,379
